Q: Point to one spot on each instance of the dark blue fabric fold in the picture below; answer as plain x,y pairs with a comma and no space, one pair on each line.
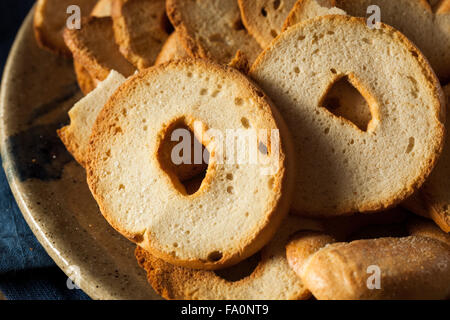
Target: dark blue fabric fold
26,270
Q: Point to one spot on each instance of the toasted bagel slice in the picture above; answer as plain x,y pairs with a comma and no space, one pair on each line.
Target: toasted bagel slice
264,18
140,29
240,203
344,169
75,136
85,81
103,8
50,20
308,9
93,47
411,267
433,199
172,49
269,278
433,35
212,29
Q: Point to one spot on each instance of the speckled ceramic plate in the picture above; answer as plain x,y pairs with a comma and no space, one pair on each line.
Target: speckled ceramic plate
50,187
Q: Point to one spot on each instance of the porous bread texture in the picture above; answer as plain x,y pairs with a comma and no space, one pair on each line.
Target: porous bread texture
433,199
237,209
411,267
211,29
94,48
343,99
302,245
342,168
308,9
140,29
272,279
82,117
50,18
240,62
264,18
84,79
428,28
75,136
172,50
103,8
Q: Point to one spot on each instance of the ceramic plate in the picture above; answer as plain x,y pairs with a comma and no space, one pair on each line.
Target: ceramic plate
50,187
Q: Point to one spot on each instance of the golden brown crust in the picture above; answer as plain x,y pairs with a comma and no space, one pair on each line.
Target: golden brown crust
282,187
192,47
171,50
303,245
409,268
140,29
221,39
240,62
299,10
434,19
94,48
84,79
263,19
69,142
414,267
102,8
270,278
443,7
431,200
50,20
438,106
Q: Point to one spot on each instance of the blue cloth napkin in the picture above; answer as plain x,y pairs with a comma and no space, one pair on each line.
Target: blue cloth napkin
26,271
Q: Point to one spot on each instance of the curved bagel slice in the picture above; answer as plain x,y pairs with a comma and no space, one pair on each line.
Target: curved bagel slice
239,205
211,29
272,279
308,9
50,17
172,50
433,36
103,8
264,18
84,79
140,29
345,169
433,199
94,48
409,268
75,136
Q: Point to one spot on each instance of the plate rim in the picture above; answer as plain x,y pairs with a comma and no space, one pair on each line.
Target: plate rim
87,287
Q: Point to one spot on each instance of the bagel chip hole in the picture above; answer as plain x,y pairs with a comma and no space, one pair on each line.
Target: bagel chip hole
215,256
344,100
177,158
241,270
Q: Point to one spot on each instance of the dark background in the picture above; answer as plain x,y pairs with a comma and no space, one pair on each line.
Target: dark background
26,271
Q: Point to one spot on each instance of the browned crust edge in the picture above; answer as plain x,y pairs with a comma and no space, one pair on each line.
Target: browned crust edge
284,183
439,107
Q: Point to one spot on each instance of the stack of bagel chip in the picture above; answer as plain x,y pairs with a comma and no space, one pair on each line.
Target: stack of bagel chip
257,149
